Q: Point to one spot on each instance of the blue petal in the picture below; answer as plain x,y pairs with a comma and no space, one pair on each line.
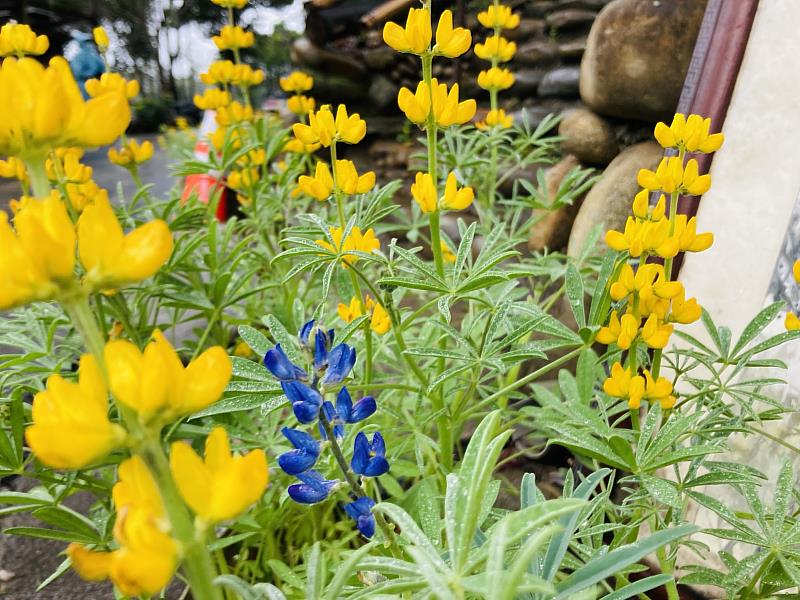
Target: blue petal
300,392
362,409
301,440
340,362
281,367
305,331
297,461
305,494
344,405
321,347
378,446
376,466
361,456
361,511
366,525
306,412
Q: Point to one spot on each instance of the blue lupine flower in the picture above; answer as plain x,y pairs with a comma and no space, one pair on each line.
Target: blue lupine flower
306,401
281,367
361,511
315,488
369,459
305,454
333,417
349,413
340,362
305,332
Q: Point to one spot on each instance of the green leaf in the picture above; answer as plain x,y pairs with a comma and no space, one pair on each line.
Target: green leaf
574,289
639,587
50,534
248,369
757,325
315,573
243,402
661,490
257,341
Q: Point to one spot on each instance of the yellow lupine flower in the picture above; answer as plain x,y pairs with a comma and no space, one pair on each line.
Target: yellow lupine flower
219,72
297,147
19,39
223,485
424,193
451,41
300,105
91,565
380,322
349,312
648,280
37,255
496,78
256,157
796,270
672,176
417,105
791,322
447,253
320,186
644,236
658,391
72,170
233,37
155,383
621,332
625,385
238,4
496,118
456,198
112,258
655,333
349,181
80,195
688,238
415,38
43,108
498,16
136,488
112,82
100,38
212,99
684,311
642,209
357,241
324,129
496,47
246,76
131,153
296,82
70,427
234,113
243,179
689,134
13,168
446,106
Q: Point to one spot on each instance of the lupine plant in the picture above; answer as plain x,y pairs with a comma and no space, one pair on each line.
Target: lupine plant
326,395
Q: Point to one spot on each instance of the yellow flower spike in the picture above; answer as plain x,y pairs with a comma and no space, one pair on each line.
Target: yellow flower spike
70,427
661,287
73,170
349,312
447,253
43,108
656,334
496,47
619,331
451,42
446,106
498,16
80,195
245,76
791,322
796,271
694,183
320,186
380,322
365,242
91,565
112,82
13,168
455,198
233,37
671,176
234,113
222,486
641,206
243,179
156,385
684,311
350,182
300,105
690,134
324,129
424,192
350,129
496,78
415,38
113,259
37,255
416,106
624,284
20,39
296,82
100,39
212,99
658,391
631,239
625,385
131,153
220,72
688,238
496,118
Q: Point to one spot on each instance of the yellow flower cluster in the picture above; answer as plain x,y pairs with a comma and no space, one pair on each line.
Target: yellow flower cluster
497,50
226,72
649,302
356,241
100,39
296,83
380,321
112,82
424,193
131,154
233,37
18,39
437,99
347,181
792,322
326,130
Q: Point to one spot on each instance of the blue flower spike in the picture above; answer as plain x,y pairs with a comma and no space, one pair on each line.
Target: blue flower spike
306,401
333,418
350,413
315,488
341,361
361,511
281,367
305,454
305,332
369,459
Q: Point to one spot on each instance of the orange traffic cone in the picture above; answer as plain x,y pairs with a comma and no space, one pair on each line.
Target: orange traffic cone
206,185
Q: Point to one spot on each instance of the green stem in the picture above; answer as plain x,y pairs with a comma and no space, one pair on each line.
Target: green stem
436,242
368,348
336,192
37,173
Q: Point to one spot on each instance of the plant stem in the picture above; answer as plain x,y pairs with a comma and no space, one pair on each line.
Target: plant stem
336,193
37,173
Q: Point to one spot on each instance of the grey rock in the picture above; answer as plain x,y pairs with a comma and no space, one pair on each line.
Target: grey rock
570,18
562,82
609,201
537,52
588,136
527,81
572,48
378,59
528,28
382,91
306,53
637,55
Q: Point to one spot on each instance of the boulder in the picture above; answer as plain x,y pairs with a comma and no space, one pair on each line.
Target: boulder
537,52
573,48
570,18
382,92
528,28
304,52
609,201
560,83
637,55
552,231
588,136
526,82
